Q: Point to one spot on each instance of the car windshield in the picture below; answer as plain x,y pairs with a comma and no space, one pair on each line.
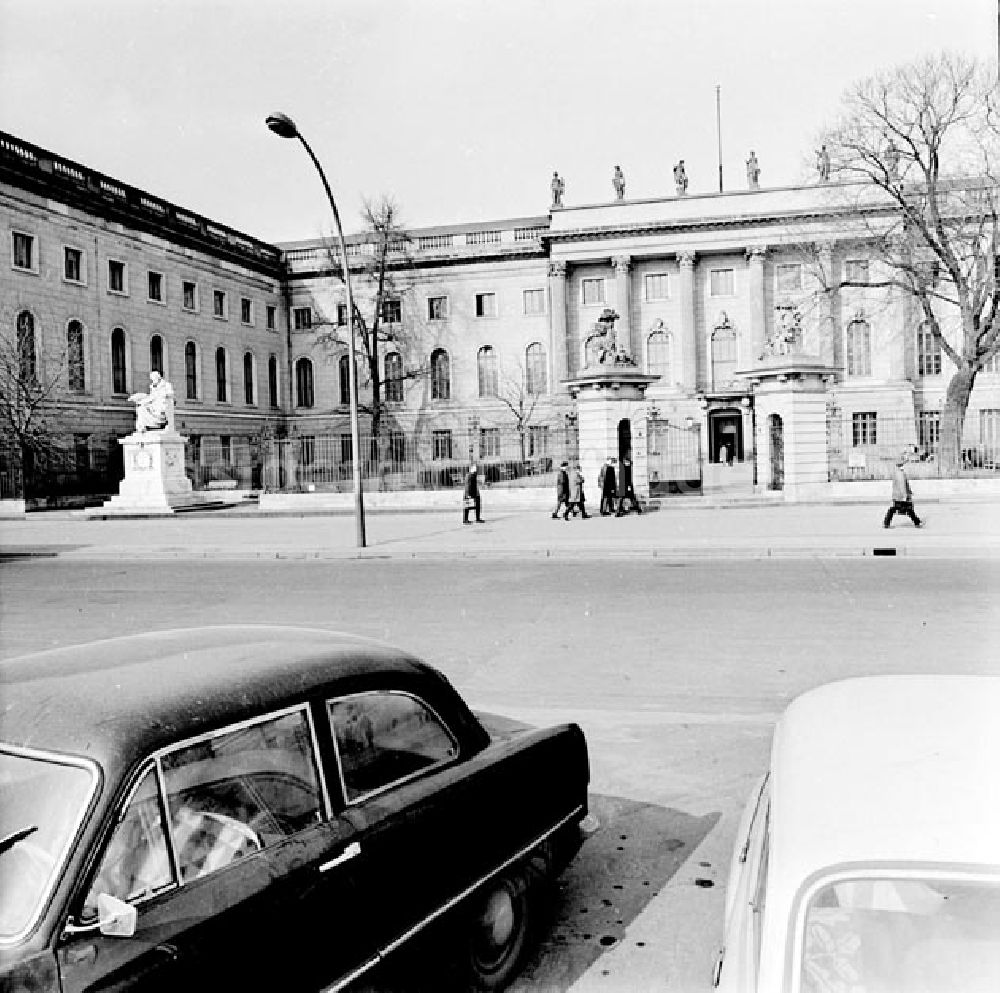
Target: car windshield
41,802
903,935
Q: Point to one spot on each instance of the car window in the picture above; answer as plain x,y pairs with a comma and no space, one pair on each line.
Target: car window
384,738
136,863
236,792
902,934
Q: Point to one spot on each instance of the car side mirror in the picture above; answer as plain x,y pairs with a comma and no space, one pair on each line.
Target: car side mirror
115,918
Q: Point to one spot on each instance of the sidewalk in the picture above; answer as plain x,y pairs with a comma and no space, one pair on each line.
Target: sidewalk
958,528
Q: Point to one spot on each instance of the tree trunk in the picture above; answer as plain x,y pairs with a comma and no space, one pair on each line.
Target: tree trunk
956,403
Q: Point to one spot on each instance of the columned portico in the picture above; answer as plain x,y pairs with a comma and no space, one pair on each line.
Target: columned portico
689,330
557,323
623,289
758,324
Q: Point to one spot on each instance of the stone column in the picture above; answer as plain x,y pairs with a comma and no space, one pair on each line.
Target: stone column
758,309
689,334
829,337
557,325
627,335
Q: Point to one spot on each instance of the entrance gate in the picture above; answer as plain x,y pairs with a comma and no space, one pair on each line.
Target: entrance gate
673,459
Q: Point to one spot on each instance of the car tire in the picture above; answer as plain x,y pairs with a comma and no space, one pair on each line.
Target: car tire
499,927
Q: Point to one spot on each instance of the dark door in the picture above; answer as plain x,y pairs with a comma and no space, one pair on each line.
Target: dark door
777,453
727,437
624,439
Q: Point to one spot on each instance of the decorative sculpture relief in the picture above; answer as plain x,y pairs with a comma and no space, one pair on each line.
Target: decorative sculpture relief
786,335
602,347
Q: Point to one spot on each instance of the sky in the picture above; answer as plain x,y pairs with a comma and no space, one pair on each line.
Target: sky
458,109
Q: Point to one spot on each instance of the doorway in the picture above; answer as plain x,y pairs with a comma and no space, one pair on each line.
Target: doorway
725,436
624,439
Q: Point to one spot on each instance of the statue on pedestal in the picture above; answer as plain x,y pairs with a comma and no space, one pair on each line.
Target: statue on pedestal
618,181
753,171
154,410
602,346
680,178
558,188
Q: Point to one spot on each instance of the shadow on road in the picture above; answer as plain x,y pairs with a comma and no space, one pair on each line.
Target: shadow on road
636,852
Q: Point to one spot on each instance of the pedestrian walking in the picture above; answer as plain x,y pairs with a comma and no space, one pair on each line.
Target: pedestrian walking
562,490
471,500
607,484
626,491
576,498
902,497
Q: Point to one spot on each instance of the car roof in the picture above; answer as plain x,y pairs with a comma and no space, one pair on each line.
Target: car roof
886,769
118,699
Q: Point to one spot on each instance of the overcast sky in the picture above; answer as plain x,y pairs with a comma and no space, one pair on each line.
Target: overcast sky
460,109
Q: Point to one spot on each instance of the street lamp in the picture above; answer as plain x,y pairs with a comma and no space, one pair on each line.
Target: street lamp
283,126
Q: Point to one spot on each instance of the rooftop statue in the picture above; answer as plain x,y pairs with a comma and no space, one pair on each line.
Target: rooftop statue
618,181
680,178
558,188
753,171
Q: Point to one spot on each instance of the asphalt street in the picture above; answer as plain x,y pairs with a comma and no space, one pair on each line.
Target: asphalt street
676,669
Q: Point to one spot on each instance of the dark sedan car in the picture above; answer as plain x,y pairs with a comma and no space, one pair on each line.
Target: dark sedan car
267,806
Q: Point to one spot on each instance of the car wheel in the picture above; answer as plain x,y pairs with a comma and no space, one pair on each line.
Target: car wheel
498,931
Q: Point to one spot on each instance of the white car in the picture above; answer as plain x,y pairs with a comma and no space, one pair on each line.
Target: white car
868,857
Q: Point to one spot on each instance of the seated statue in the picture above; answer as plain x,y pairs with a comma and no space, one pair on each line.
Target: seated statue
154,410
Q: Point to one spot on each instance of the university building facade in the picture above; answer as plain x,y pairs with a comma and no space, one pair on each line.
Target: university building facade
490,327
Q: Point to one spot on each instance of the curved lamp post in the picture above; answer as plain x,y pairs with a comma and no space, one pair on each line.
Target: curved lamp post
284,126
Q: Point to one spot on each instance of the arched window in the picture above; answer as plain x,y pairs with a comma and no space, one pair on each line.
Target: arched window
119,374
156,354
221,383
440,375
191,370
724,355
928,352
488,385
536,373
75,360
859,349
248,378
394,377
304,383
272,381
344,375
27,359
658,355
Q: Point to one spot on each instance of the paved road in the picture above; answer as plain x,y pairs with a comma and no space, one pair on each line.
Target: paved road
675,668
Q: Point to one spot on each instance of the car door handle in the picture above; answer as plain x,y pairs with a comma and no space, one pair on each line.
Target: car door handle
351,851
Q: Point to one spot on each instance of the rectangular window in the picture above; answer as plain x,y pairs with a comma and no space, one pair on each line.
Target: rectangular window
441,442
302,318
246,311
863,428
72,265
538,440
346,449
592,292
392,312
219,304
437,308
486,305
190,291
856,271
534,301
397,446
489,443
989,434
341,315
787,278
929,429
23,251
271,316
720,283
656,286
154,287
117,282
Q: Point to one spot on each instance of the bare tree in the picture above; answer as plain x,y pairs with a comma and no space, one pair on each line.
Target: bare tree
29,422
919,145
514,395
378,292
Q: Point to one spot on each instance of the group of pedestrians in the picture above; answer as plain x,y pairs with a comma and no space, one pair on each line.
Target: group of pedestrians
614,481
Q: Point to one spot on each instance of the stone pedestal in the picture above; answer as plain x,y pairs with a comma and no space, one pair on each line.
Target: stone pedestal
605,396
154,481
790,399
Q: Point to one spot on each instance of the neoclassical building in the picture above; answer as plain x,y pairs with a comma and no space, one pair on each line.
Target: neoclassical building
106,282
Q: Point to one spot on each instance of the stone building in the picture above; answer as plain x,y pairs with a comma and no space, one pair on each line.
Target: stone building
721,302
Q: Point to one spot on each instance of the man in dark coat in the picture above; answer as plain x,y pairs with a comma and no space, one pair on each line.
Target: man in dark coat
562,489
607,483
471,500
626,491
